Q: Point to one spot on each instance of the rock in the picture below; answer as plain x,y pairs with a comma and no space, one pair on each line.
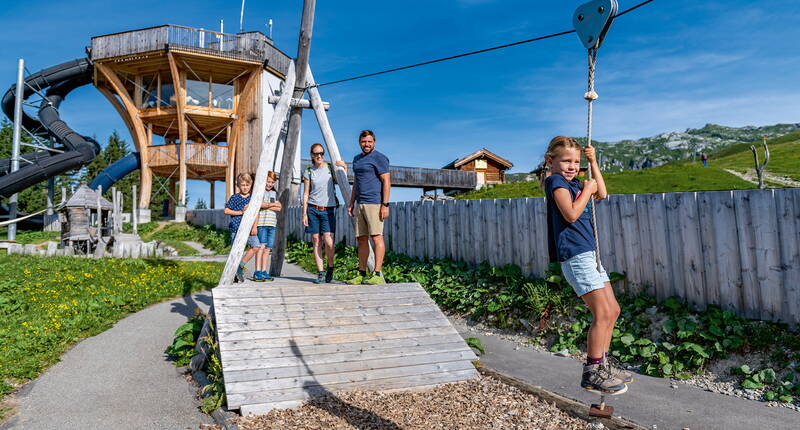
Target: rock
596,425
673,385
563,353
651,310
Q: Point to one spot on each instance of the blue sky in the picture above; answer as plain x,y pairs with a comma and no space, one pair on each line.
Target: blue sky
671,65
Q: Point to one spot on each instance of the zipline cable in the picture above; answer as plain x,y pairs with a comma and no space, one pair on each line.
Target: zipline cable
466,54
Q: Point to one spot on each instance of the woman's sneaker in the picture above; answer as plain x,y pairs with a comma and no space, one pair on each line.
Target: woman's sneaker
329,275
612,367
596,378
320,278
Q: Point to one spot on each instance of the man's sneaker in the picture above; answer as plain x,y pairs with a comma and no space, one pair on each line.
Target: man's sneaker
329,275
597,379
612,367
376,279
265,276
320,278
358,280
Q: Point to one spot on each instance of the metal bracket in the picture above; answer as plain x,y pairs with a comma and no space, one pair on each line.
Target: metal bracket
592,21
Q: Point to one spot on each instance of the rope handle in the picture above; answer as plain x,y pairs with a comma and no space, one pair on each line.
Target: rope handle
591,96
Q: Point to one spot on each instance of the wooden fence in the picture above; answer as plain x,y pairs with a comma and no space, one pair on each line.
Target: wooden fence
737,249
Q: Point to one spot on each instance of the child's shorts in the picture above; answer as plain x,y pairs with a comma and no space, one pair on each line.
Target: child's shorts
266,236
582,274
253,241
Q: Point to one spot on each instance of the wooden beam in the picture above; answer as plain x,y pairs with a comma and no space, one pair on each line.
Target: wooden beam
333,149
178,82
257,196
293,138
140,137
301,103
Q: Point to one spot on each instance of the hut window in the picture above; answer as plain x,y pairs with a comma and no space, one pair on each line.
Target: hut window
222,96
196,93
167,94
149,92
480,164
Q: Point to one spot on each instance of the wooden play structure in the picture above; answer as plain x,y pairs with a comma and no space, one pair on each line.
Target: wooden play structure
194,101
85,220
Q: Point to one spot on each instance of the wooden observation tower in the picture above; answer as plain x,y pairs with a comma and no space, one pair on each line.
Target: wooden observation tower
194,101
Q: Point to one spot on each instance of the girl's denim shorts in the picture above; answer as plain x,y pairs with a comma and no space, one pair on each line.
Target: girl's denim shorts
582,273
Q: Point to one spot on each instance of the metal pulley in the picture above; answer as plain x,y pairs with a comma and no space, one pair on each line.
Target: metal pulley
592,21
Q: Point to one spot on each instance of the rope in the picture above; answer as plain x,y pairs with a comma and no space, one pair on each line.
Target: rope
591,96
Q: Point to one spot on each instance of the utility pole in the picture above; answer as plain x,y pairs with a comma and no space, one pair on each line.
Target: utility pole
12,202
293,138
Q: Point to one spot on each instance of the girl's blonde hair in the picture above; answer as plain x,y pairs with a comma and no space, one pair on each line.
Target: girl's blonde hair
244,177
558,144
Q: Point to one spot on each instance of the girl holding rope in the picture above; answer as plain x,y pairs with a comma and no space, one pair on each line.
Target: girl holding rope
572,243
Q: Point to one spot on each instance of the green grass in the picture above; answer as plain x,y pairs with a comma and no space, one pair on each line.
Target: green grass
173,234
674,178
662,179
784,159
505,191
32,236
49,303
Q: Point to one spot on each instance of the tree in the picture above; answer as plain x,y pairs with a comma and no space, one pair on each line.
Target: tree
201,204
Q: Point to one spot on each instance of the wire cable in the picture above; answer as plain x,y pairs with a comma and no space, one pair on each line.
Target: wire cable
466,54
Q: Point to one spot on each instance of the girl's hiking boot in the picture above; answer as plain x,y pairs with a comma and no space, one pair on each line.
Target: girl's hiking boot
320,278
596,378
329,275
612,367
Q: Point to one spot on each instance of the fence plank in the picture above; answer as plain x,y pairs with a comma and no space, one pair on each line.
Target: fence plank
430,228
714,221
751,299
788,207
452,227
767,247
631,243
693,267
673,234
540,226
470,231
646,249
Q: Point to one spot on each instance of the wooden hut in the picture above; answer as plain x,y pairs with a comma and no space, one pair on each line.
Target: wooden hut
489,166
79,219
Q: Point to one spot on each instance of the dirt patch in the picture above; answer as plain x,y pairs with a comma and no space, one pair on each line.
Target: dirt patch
478,404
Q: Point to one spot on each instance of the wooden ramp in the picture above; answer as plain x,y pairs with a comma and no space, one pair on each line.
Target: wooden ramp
282,342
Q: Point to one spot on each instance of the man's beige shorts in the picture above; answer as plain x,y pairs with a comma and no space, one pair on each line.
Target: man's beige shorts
368,220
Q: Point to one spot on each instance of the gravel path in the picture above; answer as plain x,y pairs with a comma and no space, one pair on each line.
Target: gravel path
478,404
750,176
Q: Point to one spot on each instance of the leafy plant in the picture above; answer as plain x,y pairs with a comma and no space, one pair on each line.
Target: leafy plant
474,342
182,348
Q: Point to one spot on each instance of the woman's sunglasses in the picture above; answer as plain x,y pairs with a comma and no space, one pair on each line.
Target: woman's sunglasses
317,154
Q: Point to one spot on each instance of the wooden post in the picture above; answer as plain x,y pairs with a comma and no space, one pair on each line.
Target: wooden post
134,211
292,140
179,81
257,195
114,203
333,149
211,195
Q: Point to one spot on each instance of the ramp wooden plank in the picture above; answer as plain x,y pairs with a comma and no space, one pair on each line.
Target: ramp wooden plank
279,315
335,338
262,402
362,347
319,369
325,322
338,357
343,377
285,341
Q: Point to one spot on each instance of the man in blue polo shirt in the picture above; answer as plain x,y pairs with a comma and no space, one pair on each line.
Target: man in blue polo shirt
371,186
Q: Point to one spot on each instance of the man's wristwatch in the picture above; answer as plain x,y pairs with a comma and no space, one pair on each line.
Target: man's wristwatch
385,204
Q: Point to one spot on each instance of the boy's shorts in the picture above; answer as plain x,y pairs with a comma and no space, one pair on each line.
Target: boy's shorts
320,222
368,220
252,241
582,274
266,236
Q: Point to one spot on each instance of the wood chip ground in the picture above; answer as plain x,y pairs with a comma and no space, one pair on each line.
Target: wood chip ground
477,404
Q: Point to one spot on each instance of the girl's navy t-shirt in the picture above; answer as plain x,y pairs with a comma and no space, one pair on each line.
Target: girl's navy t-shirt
566,239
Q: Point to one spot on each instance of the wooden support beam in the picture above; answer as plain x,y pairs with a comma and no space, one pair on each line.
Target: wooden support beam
211,195
178,83
141,138
257,196
293,138
301,103
333,149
